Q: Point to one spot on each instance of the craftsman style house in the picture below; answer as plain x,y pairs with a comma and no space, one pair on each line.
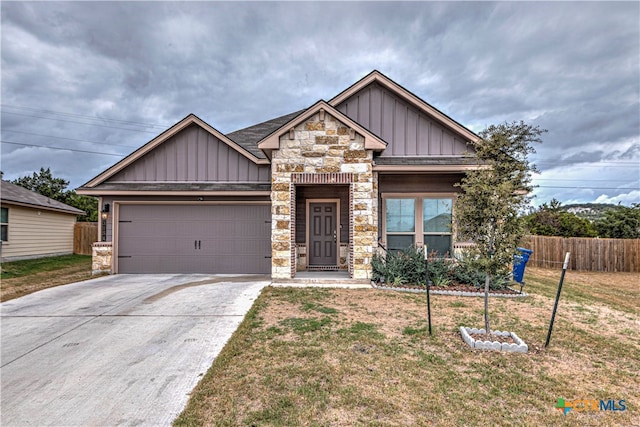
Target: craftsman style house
317,189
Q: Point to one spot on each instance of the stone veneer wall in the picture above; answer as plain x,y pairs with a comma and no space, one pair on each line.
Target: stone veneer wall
322,152
101,254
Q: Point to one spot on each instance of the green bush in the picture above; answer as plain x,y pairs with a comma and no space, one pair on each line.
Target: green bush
440,270
406,267
399,267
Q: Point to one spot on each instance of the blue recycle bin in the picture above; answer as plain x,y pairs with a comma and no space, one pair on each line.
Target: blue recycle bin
519,263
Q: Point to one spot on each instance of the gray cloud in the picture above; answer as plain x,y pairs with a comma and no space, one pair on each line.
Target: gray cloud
572,68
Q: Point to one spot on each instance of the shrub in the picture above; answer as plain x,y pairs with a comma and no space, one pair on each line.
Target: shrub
440,270
399,267
406,267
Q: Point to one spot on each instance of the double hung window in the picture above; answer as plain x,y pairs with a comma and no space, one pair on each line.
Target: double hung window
418,220
4,224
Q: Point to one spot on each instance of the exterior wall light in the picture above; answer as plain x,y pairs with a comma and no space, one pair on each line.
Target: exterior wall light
104,215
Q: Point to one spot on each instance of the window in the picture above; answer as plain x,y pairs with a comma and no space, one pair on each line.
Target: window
419,220
401,223
436,219
4,224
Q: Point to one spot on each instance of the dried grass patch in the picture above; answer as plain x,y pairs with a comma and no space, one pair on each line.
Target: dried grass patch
364,357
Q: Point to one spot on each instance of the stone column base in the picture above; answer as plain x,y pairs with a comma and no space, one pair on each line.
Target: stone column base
101,258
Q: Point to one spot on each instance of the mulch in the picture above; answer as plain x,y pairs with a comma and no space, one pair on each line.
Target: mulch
457,287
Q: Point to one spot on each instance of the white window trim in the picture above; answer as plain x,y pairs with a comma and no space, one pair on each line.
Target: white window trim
6,242
418,220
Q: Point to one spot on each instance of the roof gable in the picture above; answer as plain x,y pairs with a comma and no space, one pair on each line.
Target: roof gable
272,141
375,77
167,135
15,194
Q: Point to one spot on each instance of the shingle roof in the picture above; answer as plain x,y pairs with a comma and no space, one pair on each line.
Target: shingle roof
181,186
415,160
248,137
14,193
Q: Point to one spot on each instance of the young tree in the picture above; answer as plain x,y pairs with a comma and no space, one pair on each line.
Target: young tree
486,212
44,183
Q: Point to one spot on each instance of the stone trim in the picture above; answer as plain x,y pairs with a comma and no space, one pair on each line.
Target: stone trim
101,258
292,235
322,153
350,254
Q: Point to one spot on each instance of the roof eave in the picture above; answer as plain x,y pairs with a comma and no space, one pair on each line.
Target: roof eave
102,192
44,208
460,168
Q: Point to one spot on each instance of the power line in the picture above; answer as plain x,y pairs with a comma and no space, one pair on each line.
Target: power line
71,139
83,116
589,188
599,163
72,121
61,148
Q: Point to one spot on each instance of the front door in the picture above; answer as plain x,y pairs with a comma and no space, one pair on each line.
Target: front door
323,234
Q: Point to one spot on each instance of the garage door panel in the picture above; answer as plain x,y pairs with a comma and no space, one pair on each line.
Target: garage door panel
194,239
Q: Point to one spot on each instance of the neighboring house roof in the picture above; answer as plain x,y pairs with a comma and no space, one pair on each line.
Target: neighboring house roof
272,141
249,136
16,195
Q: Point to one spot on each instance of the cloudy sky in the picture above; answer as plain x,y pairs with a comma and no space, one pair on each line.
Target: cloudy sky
96,80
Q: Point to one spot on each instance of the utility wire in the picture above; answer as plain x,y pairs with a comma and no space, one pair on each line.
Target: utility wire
63,149
82,123
71,139
83,116
589,188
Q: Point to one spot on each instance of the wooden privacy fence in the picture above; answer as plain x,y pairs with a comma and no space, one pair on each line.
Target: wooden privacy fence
587,254
84,235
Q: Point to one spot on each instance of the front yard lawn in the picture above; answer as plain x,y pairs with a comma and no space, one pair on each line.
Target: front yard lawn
338,357
20,278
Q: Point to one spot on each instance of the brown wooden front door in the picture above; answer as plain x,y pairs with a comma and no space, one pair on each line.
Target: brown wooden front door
323,237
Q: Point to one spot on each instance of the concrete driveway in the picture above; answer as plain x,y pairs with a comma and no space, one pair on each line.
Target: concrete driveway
117,350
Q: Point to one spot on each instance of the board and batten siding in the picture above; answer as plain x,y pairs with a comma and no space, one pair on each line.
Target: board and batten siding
193,155
34,232
408,131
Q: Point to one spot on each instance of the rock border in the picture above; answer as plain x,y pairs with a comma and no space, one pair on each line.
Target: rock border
518,347
452,293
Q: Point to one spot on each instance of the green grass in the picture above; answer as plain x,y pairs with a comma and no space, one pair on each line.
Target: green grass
21,278
27,267
325,357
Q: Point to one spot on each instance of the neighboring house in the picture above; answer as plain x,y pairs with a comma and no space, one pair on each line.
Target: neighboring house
34,225
317,189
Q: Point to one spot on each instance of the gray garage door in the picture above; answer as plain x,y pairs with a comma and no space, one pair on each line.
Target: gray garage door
194,239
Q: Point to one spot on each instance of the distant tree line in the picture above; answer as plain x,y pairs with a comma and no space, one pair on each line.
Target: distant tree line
617,222
45,183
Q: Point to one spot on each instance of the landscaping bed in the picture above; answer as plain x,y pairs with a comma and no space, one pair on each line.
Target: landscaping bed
406,270
455,290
